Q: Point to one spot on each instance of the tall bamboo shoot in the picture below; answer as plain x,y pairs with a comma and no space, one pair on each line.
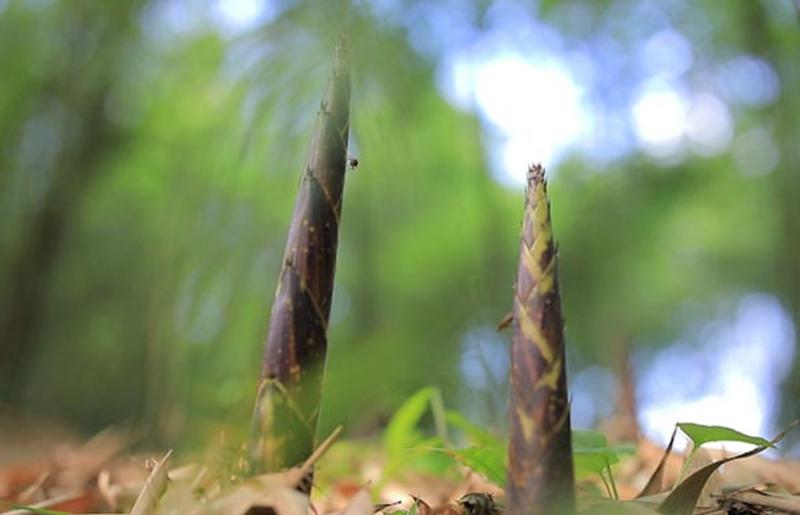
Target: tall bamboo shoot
288,399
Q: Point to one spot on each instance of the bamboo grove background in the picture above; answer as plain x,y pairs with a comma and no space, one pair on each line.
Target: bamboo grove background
149,160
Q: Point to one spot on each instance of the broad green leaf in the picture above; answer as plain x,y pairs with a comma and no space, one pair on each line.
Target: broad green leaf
476,434
683,498
589,463
624,449
590,449
700,434
591,453
430,456
587,439
490,461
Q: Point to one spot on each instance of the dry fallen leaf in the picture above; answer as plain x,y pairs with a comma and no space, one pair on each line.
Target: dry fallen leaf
656,482
756,501
360,504
257,494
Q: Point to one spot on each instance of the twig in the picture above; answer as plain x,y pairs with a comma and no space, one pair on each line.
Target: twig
320,451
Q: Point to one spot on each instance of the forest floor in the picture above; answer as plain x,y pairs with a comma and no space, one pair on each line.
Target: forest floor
50,471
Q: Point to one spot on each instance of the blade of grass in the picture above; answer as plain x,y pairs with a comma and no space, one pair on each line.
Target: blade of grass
611,480
656,482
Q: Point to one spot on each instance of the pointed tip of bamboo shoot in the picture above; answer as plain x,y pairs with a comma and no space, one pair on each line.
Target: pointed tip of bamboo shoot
536,175
537,187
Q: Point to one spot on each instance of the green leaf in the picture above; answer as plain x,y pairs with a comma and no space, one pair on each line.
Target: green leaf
429,456
700,434
590,450
402,435
401,432
490,461
591,453
487,456
475,433
683,498
410,511
586,439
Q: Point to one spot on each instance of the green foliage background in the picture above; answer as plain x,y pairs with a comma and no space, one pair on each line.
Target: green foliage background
147,174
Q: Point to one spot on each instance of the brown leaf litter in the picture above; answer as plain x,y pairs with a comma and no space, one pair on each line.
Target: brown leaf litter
100,477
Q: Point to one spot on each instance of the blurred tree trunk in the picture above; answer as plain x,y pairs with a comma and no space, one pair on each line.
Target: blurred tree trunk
787,177
81,78
623,424
24,294
782,115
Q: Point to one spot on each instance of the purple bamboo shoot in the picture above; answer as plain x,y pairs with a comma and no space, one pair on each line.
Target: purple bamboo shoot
288,400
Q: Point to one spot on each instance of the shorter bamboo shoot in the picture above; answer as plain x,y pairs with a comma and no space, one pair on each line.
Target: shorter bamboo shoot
541,477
